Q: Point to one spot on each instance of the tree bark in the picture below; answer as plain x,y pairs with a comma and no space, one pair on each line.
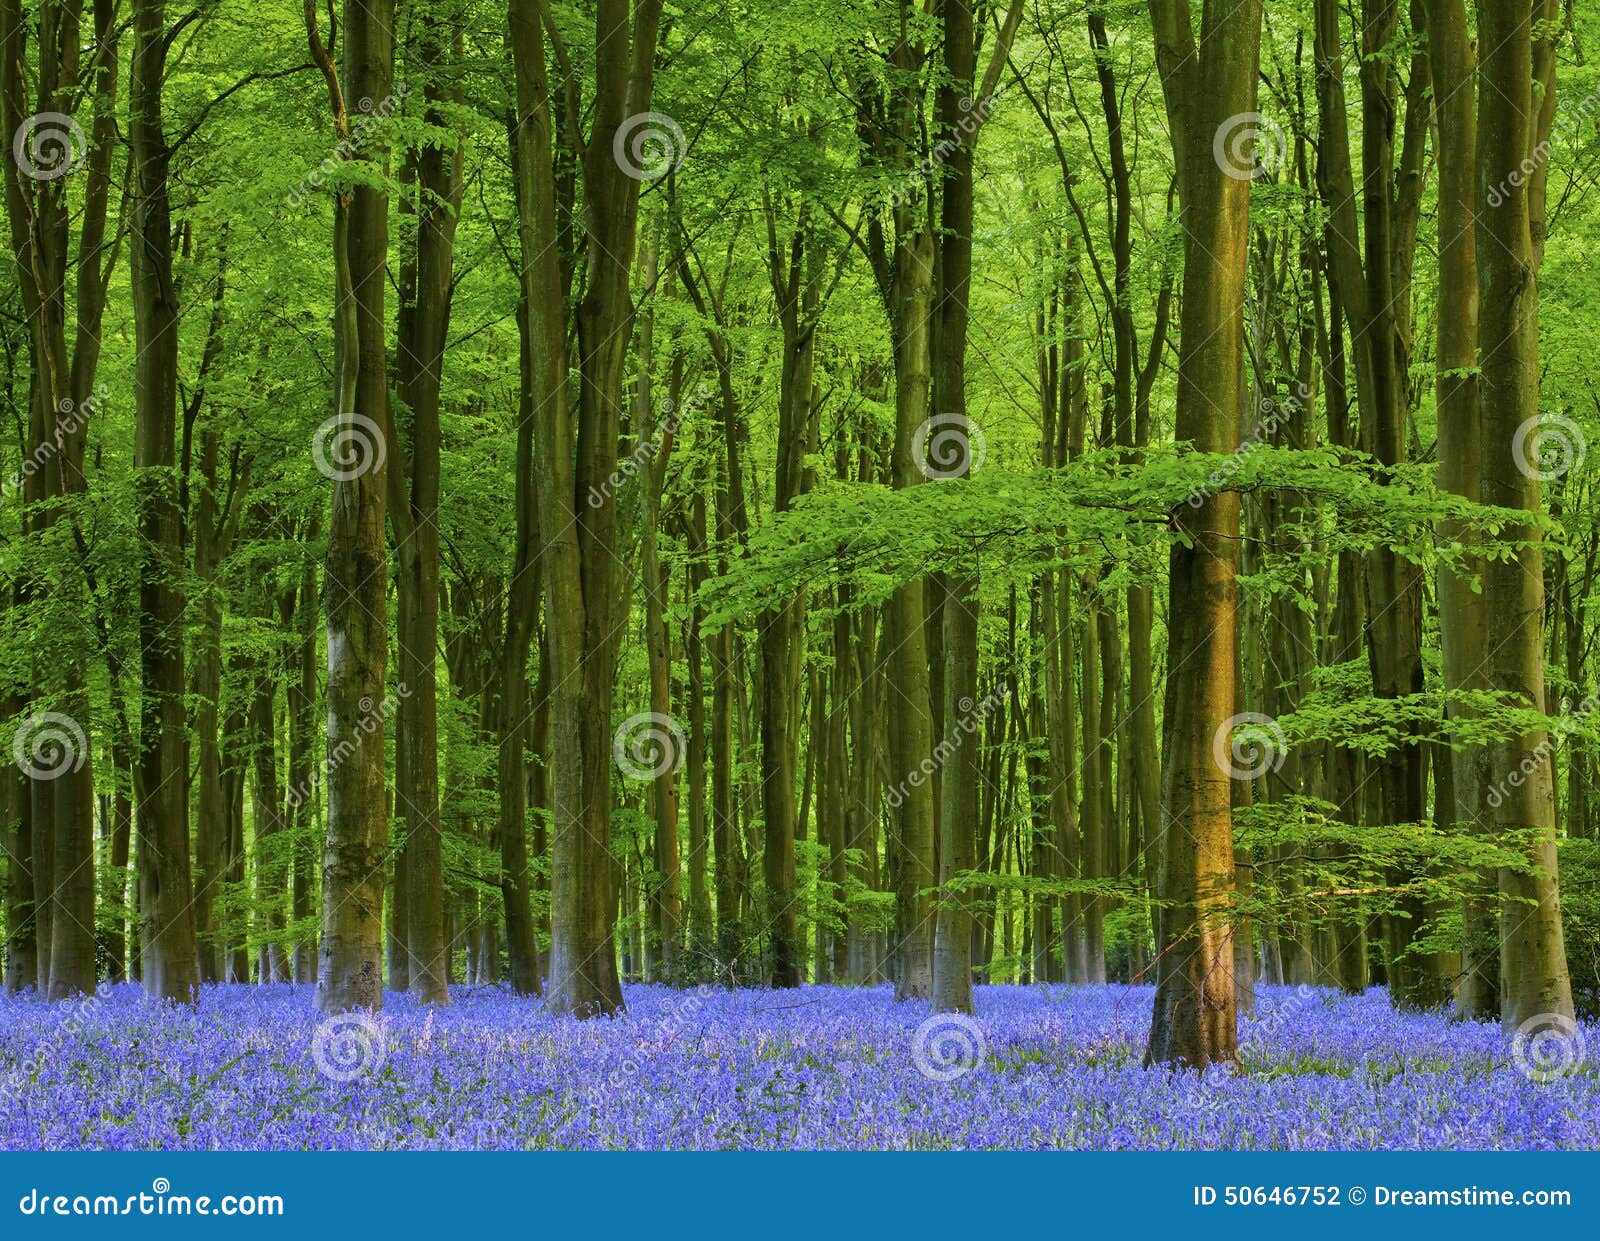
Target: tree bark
350,950
413,505
1533,964
166,905
1195,1019
1463,617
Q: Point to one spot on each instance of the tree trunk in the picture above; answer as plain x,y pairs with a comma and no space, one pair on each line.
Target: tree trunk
577,494
1463,618
166,908
1533,964
522,614
1195,1018
350,949
302,799
413,505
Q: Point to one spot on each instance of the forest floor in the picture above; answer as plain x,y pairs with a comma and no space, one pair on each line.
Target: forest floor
823,1067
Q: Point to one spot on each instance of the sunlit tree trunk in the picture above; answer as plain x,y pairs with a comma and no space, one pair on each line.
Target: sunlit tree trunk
1207,86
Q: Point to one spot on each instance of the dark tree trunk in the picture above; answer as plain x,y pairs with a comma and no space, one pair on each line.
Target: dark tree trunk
349,972
166,893
413,504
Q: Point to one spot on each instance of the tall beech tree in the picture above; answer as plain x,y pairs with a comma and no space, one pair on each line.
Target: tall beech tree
425,288
63,289
579,447
962,104
169,958
1515,101
1209,84
1463,614
349,970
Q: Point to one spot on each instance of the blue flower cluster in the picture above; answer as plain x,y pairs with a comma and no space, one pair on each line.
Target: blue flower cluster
823,1067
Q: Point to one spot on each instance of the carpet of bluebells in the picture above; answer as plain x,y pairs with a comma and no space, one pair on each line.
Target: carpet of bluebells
255,1068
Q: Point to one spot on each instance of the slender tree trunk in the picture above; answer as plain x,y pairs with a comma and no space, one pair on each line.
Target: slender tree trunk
302,799
266,814
1463,618
413,507
1533,964
577,493
22,943
166,905
1195,1018
350,949
700,923
666,898
522,608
